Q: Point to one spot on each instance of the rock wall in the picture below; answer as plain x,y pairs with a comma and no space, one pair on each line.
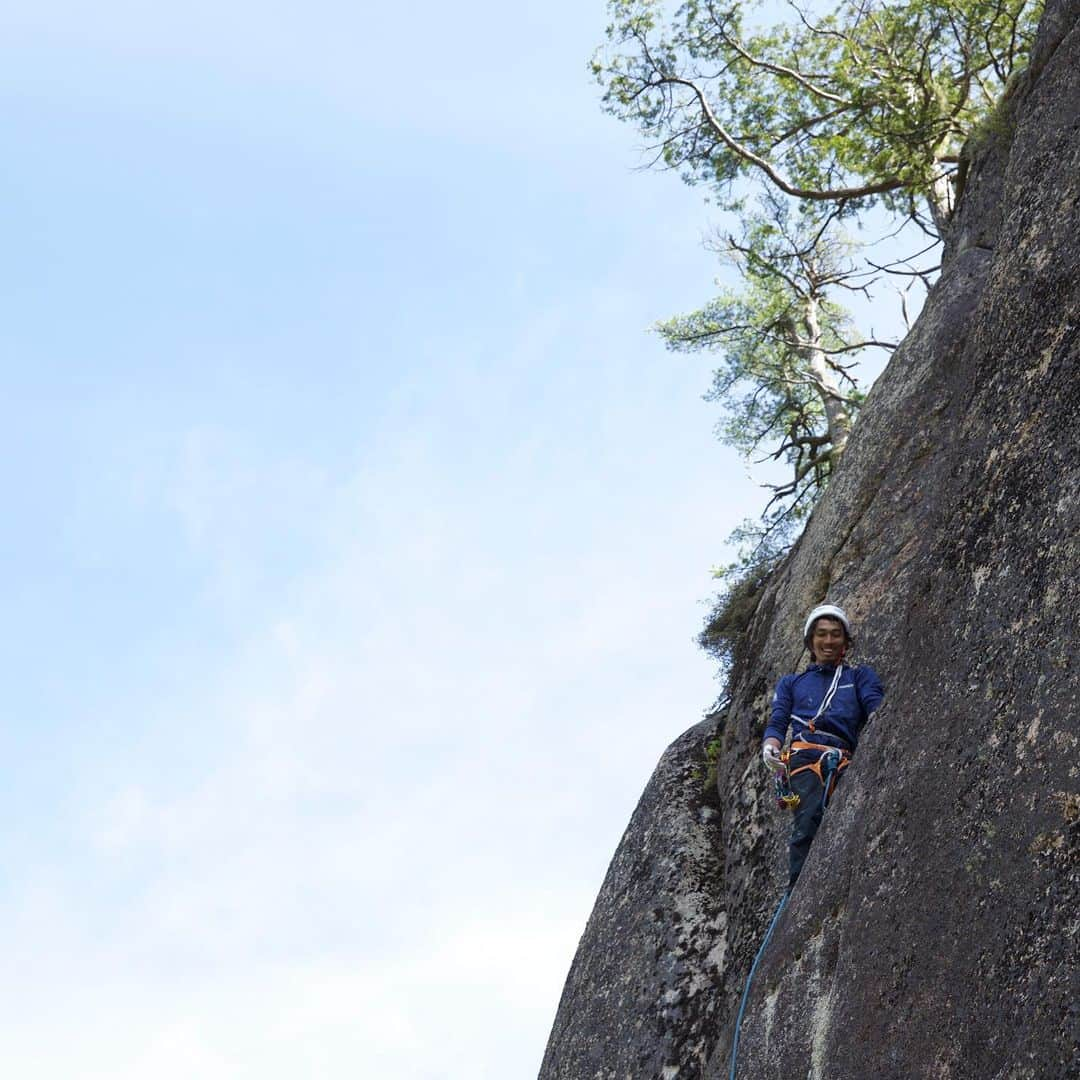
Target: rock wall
935,931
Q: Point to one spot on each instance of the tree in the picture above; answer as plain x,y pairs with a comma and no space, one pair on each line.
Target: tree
785,382
871,102
785,346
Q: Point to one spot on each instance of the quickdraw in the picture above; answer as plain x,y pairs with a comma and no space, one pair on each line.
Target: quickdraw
786,798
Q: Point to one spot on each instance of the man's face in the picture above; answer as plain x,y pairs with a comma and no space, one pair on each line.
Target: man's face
827,640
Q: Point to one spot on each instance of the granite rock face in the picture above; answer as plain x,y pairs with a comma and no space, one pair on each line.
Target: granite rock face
935,931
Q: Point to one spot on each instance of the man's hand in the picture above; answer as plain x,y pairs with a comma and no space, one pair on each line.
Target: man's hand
770,754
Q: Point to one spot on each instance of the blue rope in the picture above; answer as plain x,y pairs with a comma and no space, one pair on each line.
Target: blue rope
832,761
749,979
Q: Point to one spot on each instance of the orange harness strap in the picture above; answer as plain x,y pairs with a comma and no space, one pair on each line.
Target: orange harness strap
815,767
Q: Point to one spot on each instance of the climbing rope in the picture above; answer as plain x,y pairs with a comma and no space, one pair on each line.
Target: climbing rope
830,762
749,979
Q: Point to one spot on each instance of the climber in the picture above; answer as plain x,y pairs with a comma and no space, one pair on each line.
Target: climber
827,706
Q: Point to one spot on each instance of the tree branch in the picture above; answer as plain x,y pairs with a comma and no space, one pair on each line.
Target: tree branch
744,152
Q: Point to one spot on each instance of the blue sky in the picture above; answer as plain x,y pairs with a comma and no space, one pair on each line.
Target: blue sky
357,531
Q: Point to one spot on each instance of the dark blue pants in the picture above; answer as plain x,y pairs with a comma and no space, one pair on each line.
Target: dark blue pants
806,817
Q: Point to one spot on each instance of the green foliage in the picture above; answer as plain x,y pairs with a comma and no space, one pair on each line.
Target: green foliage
712,751
708,775
997,124
724,635
872,101
782,380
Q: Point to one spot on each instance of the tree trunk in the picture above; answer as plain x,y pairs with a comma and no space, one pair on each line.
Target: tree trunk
942,199
837,414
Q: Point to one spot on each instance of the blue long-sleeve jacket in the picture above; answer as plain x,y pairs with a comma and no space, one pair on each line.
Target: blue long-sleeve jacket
798,697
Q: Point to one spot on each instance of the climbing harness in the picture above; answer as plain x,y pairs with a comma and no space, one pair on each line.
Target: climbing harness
786,798
830,762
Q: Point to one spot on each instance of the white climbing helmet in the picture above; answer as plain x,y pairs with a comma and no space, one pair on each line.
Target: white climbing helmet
833,612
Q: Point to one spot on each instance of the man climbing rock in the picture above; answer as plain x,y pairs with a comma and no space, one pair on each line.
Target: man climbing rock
827,705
